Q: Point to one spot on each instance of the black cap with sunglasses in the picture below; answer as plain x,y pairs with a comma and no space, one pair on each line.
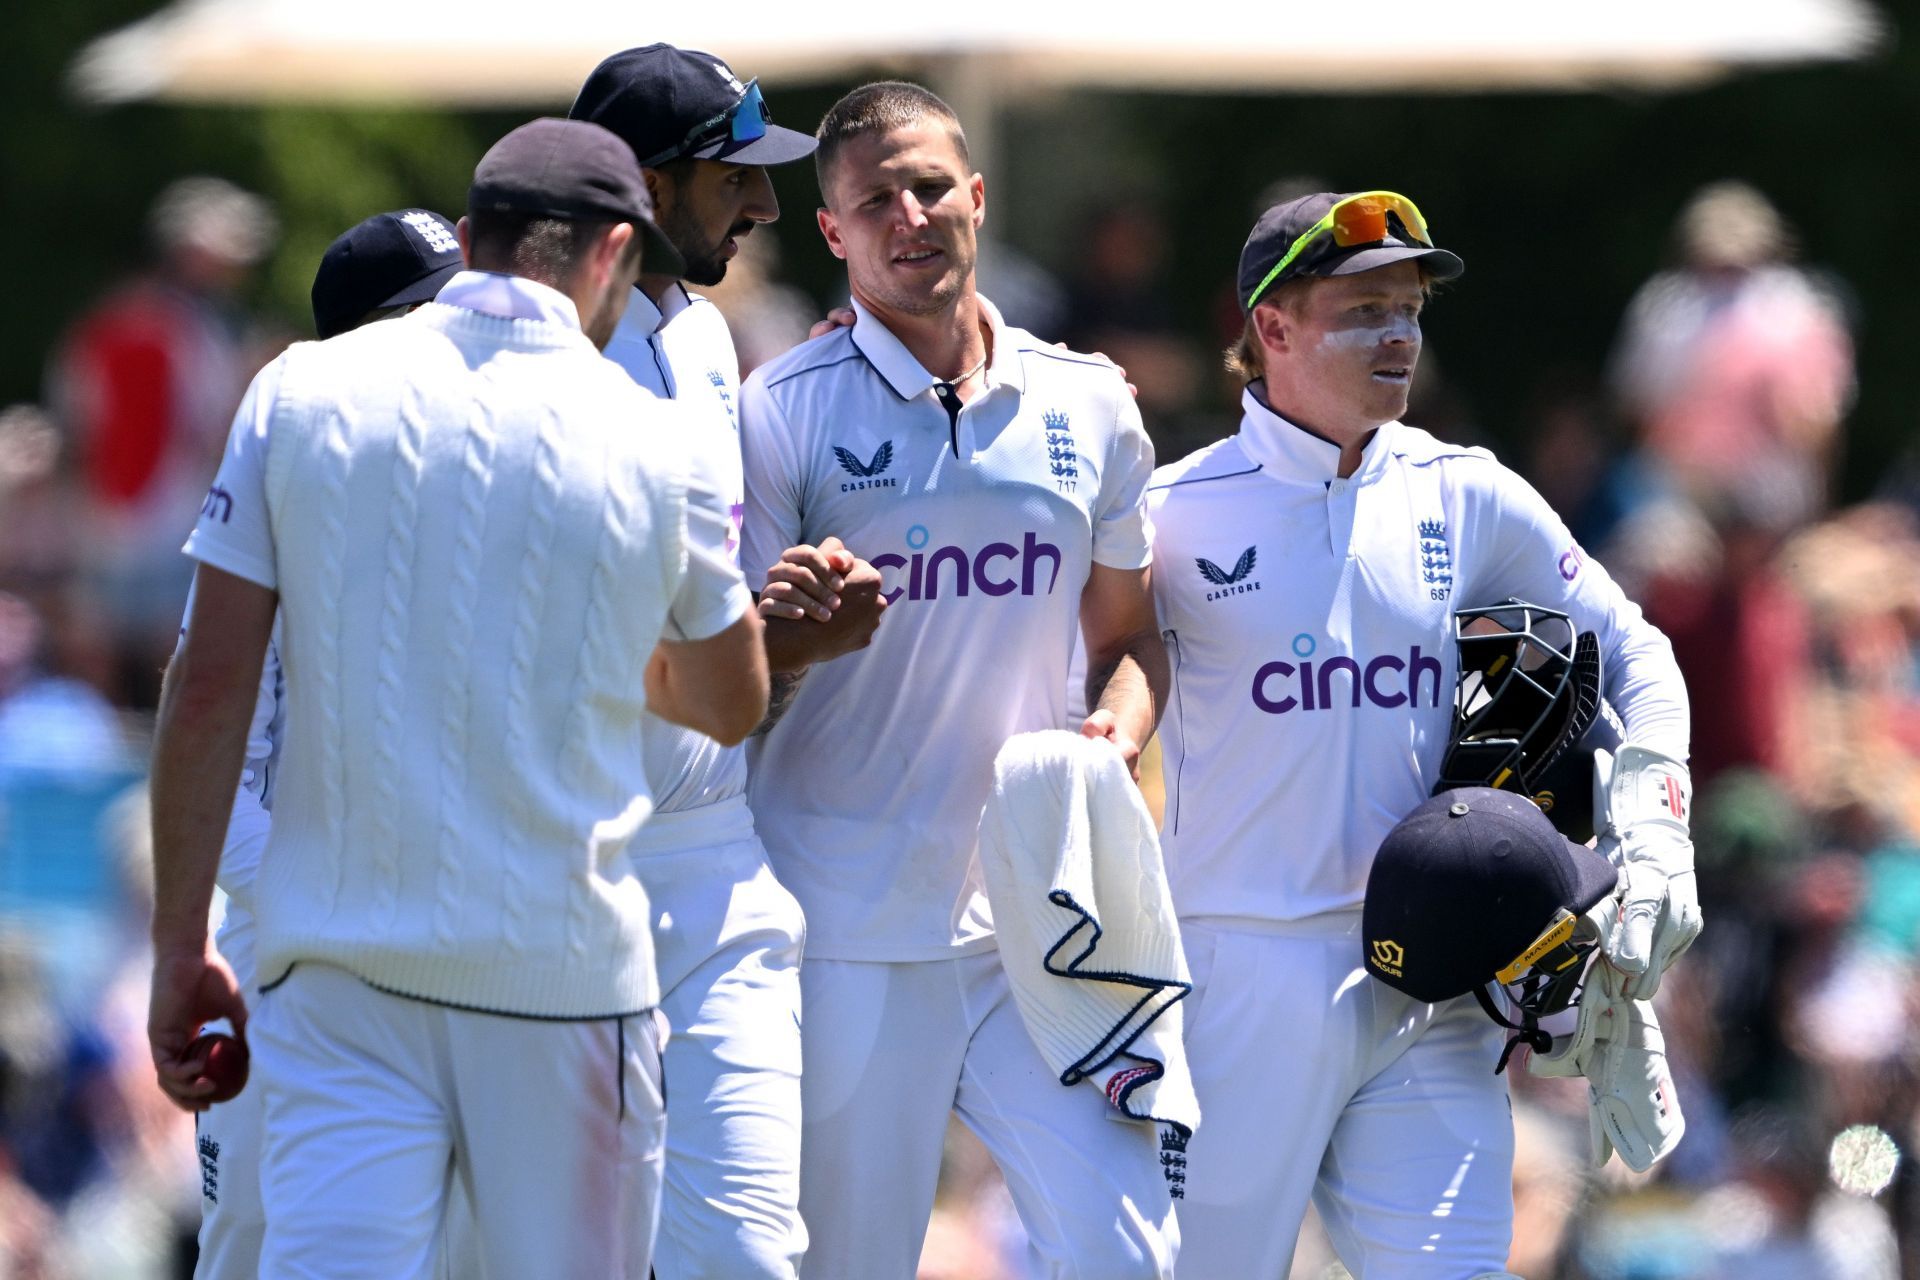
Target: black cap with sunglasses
1329,234
679,104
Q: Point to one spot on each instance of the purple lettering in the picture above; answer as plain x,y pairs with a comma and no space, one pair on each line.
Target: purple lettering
887,561
1327,669
993,550
913,578
1386,662
1260,698
1417,667
1034,550
954,556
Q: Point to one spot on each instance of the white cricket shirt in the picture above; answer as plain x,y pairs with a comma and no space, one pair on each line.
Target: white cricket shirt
681,350
985,524
1309,624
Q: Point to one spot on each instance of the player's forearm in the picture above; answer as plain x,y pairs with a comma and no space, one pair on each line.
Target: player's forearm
793,646
785,686
199,747
1130,679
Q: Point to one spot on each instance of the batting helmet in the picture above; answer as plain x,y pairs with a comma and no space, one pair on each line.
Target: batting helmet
1476,887
1528,691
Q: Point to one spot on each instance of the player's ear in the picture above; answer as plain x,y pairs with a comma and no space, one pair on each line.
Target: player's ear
463,234
658,189
1273,325
830,230
977,188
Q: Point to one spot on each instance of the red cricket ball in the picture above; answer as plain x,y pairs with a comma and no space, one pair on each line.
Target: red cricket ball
226,1063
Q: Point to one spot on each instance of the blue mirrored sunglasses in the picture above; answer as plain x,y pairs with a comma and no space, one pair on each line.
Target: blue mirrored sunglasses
745,121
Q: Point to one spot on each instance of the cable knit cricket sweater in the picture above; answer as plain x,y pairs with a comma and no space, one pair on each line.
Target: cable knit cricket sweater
476,553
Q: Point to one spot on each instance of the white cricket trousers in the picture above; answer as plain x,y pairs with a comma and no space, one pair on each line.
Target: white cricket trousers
726,937
891,1050
1318,1082
376,1104
227,1141
227,1134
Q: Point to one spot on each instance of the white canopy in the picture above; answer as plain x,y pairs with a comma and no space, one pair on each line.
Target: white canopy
511,52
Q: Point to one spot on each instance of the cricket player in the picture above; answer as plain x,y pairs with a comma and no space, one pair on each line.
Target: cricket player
488,575
1308,571
382,266
997,482
726,932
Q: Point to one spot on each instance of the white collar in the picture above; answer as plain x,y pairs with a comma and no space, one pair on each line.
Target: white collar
1289,452
510,297
646,317
905,374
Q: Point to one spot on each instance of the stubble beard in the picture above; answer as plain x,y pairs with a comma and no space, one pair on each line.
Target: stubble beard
935,300
706,266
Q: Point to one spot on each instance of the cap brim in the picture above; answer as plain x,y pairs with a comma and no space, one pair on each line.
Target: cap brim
1440,263
1593,878
777,146
658,257
427,287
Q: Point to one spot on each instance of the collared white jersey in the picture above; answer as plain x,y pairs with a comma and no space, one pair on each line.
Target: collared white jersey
985,525
682,351
1309,622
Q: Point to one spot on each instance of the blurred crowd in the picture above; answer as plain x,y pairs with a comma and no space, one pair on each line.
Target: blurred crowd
1700,471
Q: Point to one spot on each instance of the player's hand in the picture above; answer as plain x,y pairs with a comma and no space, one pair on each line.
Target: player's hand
190,989
1648,796
838,318
1617,1045
807,582
1103,724
1659,909
855,618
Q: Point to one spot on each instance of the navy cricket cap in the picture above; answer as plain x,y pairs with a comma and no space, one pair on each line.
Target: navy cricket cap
553,168
389,260
1273,236
1466,886
680,104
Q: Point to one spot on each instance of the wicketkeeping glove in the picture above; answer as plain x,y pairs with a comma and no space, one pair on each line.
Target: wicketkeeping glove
1617,1046
1642,800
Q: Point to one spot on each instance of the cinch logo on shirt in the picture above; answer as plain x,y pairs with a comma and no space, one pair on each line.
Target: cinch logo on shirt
997,569
218,504
1386,681
1230,583
866,472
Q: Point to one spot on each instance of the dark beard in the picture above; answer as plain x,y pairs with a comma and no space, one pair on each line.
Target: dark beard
705,264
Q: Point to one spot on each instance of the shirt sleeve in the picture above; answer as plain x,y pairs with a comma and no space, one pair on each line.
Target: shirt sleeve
712,595
1122,531
775,511
1534,558
235,531
1162,584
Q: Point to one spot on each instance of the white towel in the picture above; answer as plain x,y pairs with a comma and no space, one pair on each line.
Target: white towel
1086,925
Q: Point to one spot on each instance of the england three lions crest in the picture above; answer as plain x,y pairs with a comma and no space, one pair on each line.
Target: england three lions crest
1063,457
1435,561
